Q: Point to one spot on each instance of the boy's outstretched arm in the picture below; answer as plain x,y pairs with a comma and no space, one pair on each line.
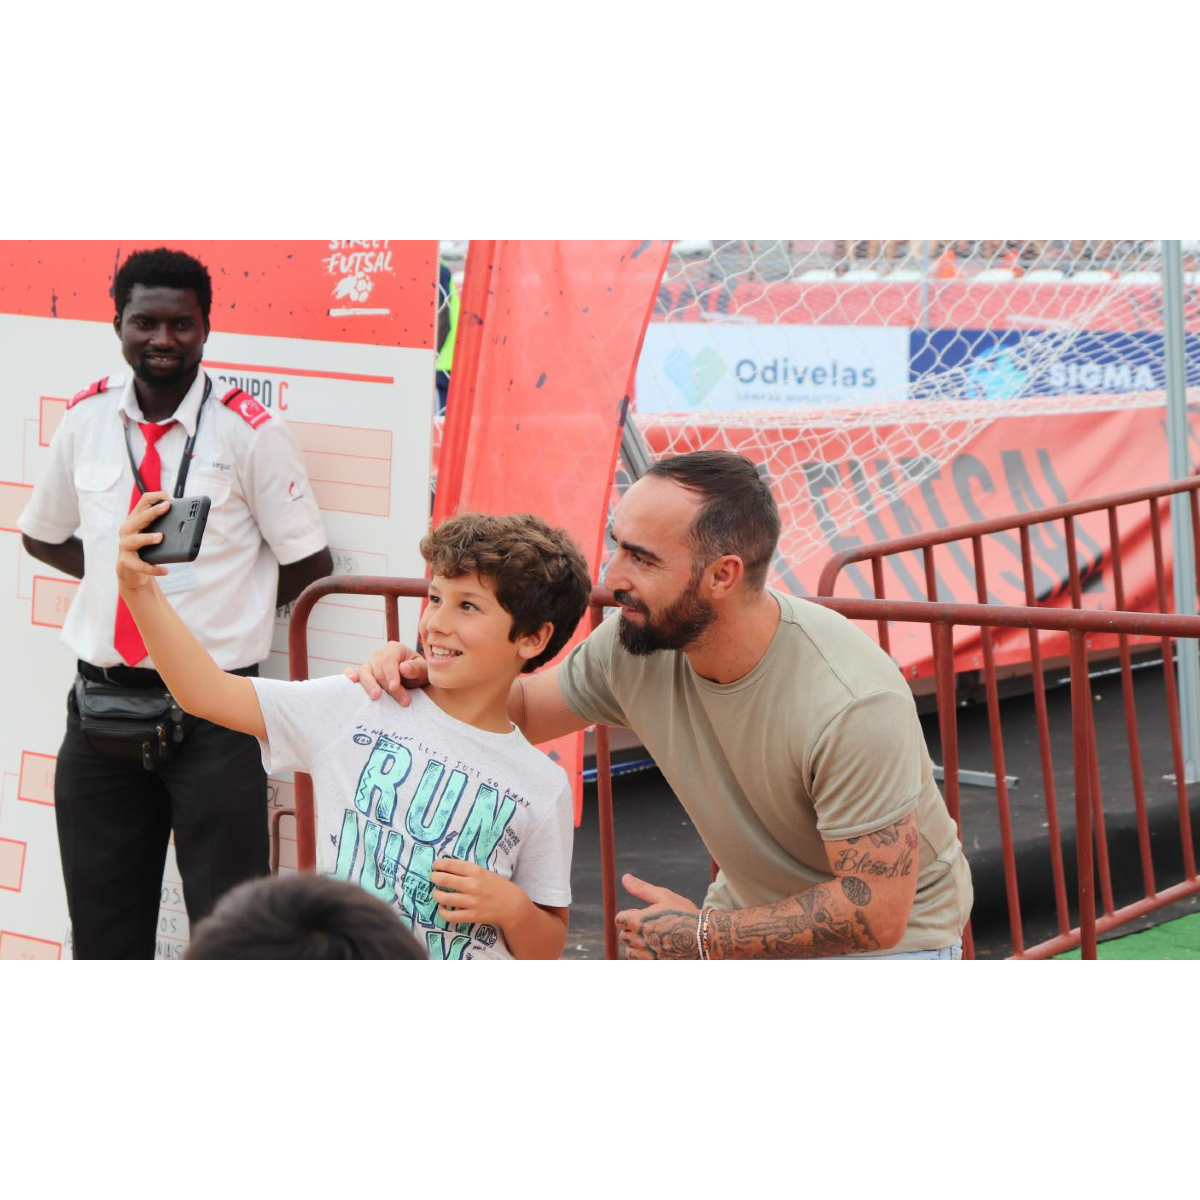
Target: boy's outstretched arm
199,686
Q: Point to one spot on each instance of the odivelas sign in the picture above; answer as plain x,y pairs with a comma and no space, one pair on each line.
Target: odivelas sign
1015,465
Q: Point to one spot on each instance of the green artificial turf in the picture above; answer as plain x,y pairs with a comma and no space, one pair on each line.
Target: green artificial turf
1175,939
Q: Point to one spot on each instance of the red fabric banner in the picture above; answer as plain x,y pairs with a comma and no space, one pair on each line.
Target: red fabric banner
549,337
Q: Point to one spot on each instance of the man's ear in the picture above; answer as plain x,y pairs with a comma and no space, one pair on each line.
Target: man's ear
724,574
117,324
530,645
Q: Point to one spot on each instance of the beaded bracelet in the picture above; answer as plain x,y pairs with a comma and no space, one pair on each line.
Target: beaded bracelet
699,943
705,913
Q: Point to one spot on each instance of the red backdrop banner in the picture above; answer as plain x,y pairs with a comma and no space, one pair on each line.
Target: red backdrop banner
378,292
549,337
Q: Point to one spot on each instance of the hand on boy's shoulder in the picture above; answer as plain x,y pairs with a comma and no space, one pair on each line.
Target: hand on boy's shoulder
394,667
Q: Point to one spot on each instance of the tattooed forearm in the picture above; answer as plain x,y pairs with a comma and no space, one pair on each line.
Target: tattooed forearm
846,915
816,923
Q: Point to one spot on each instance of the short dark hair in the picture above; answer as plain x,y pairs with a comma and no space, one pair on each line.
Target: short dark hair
739,515
539,573
301,916
163,268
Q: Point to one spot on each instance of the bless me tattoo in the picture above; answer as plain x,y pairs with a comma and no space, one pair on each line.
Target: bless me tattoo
860,862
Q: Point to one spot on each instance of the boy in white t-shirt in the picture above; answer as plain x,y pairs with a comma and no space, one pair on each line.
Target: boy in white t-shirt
442,809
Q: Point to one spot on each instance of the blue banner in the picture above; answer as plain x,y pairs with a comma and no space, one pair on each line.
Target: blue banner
979,364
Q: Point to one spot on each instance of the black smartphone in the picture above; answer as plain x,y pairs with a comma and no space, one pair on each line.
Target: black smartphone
182,527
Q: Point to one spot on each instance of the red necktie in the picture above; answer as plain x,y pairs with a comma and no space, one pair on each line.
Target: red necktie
126,637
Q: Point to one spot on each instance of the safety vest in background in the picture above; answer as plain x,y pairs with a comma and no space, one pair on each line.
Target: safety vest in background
445,356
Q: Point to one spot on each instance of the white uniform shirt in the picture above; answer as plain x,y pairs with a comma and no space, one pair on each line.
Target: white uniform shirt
263,514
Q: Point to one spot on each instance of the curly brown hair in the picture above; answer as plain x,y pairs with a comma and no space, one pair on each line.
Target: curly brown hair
538,572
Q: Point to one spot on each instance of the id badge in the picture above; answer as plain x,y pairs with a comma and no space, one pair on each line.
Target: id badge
182,578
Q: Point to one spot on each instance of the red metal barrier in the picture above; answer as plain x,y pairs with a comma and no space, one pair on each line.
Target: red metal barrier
942,619
974,532
277,815
1089,828
875,552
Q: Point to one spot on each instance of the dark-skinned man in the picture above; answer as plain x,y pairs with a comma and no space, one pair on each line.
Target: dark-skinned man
264,543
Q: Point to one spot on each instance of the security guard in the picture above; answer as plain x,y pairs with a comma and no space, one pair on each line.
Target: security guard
264,542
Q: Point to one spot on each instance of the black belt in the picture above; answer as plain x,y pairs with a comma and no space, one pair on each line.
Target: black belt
138,677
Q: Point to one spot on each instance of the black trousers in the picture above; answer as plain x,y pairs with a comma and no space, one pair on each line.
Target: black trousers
115,818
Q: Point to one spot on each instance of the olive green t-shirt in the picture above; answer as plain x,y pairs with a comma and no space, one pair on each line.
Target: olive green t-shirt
819,742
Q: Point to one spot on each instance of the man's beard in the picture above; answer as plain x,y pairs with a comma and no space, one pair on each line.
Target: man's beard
678,627
165,378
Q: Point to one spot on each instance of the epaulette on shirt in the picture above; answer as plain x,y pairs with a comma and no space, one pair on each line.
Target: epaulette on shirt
246,407
94,389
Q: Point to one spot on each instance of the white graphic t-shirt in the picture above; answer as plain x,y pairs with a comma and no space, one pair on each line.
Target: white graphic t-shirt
398,788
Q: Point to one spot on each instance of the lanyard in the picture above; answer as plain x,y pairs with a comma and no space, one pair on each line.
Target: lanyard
184,463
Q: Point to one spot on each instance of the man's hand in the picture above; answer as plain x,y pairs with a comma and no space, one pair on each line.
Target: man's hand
667,929
467,893
132,572
393,666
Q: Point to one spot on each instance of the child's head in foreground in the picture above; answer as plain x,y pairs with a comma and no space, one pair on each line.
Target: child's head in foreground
301,916
505,596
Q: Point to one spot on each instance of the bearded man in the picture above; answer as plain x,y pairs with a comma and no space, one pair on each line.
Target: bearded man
790,738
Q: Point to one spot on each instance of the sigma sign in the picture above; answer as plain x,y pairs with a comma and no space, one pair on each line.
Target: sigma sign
977,364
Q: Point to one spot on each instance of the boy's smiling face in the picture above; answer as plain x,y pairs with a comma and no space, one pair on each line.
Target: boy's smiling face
465,634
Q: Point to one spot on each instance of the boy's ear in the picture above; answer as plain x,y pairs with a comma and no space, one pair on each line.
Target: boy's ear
530,645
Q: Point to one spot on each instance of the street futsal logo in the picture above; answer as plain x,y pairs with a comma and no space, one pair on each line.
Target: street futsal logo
355,288
356,266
